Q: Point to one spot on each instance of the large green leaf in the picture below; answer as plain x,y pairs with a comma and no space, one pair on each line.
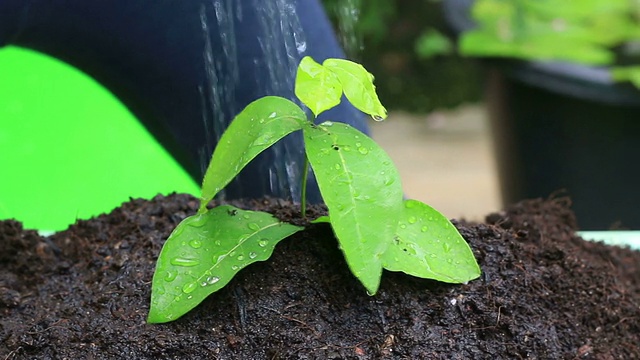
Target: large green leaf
427,245
357,84
261,124
316,86
205,251
361,188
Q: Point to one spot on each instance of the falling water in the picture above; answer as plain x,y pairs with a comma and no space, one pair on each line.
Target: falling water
221,76
283,43
280,26
347,13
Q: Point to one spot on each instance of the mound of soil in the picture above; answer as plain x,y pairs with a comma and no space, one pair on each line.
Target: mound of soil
544,294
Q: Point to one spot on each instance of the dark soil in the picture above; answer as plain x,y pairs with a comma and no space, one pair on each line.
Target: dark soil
544,294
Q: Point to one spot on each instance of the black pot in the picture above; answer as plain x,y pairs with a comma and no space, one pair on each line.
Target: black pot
564,128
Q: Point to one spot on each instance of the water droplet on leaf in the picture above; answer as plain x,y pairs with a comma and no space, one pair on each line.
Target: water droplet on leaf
188,288
263,242
363,150
412,219
253,226
377,118
170,276
183,261
252,255
195,243
240,257
424,229
212,280
197,221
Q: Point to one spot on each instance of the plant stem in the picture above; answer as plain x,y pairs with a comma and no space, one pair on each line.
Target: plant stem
305,173
303,190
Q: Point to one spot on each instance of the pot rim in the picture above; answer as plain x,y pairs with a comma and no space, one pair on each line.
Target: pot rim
613,237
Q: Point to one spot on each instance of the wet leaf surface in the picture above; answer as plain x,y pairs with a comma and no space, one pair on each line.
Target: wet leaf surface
260,125
362,190
357,84
427,245
205,252
316,86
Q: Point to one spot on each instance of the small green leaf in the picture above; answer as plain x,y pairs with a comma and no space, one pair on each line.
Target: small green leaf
261,124
427,245
361,188
316,86
358,87
205,251
321,220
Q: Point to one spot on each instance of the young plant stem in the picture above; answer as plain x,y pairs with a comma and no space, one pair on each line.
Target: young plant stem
305,175
303,189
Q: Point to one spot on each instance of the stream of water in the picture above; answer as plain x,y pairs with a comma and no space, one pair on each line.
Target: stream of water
282,42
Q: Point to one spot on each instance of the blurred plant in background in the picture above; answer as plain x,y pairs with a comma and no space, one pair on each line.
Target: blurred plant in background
406,44
585,31
589,32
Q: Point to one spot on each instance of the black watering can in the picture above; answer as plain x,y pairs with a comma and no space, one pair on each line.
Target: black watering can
185,68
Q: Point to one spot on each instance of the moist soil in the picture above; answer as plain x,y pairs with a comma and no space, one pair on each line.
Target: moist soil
544,294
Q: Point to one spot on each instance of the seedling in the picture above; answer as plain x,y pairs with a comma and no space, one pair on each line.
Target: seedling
376,228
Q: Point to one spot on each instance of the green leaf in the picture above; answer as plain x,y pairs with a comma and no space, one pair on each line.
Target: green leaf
361,188
205,251
260,125
357,84
321,220
316,86
427,245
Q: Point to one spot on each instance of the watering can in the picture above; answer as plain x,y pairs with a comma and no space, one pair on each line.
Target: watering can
179,70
